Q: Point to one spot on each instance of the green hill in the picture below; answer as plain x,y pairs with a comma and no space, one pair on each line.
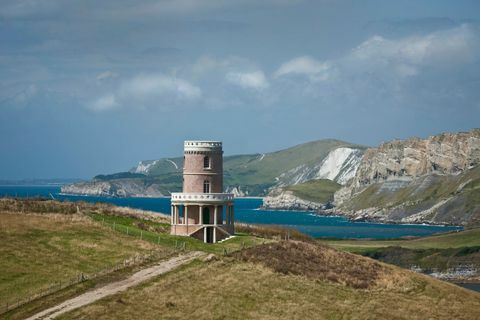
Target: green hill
255,173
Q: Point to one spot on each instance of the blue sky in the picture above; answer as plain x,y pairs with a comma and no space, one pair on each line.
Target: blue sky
90,87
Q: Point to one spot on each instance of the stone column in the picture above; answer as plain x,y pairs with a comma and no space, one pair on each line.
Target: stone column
186,217
214,235
171,214
200,214
215,217
205,234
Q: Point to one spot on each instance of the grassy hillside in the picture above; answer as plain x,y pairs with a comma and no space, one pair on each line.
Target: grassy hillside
253,172
439,252
320,190
40,250
46,244
288,280
467,238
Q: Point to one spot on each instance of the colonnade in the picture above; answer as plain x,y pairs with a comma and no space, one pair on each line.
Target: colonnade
175,214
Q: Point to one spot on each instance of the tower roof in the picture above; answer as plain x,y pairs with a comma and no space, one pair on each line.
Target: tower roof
202,145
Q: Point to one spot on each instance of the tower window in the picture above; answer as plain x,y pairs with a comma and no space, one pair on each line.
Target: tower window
206,186
206,162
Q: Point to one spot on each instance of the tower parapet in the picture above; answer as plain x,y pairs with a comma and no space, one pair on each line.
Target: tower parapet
199,210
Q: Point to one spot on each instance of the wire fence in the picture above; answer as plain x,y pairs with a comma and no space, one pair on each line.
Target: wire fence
81,277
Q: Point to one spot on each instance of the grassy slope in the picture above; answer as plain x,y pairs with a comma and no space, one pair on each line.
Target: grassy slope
321,190
256,286
467,238
439,252
42,248
39,250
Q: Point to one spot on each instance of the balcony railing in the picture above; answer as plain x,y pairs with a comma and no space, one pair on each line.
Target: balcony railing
215,197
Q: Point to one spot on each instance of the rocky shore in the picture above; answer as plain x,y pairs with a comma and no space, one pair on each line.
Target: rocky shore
120,188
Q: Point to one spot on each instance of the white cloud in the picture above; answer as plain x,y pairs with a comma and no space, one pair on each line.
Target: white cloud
453,46
307,66
104,103
250,80
148,86
145,91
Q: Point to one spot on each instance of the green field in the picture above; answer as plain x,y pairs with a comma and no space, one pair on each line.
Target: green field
467,238
440,252
321,190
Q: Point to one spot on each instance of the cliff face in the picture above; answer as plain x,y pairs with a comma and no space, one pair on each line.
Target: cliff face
394,182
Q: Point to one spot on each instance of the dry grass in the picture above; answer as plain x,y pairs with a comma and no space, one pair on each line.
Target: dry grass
232,289
39,205
322,263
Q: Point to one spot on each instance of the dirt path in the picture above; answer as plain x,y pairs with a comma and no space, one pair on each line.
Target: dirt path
115,287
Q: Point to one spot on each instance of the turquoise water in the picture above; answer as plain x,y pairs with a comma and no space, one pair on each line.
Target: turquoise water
246,210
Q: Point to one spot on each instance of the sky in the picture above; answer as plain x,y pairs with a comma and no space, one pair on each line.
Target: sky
89,87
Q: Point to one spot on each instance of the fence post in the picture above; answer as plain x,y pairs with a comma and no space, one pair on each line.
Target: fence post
158,240
141,235
114,226
127,231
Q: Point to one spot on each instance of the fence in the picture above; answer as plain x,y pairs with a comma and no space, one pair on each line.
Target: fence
81,277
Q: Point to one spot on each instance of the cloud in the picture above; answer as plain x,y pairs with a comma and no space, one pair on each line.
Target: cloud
306,66
250,80
148,91
430,70
106,75
106,102
148,86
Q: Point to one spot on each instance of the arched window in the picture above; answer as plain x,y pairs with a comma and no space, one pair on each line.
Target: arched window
206,186
206,162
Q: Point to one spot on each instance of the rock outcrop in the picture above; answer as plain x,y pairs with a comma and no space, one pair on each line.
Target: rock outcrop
280,199
415,180
114,188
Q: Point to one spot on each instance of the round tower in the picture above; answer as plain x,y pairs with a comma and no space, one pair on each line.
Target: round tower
202,210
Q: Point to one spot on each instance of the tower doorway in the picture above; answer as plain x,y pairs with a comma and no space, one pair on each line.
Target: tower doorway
206,215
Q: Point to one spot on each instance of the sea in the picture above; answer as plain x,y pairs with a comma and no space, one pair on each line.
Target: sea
247,211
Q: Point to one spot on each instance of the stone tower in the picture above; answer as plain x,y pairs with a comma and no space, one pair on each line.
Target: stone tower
199,211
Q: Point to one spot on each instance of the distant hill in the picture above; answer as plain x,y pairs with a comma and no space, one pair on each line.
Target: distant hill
250,174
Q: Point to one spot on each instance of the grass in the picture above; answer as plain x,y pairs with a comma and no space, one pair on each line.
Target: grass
39,250
466,238
254,288
321,190
158,233
438,252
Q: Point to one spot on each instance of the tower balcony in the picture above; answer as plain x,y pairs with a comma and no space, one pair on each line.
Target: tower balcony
202,197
